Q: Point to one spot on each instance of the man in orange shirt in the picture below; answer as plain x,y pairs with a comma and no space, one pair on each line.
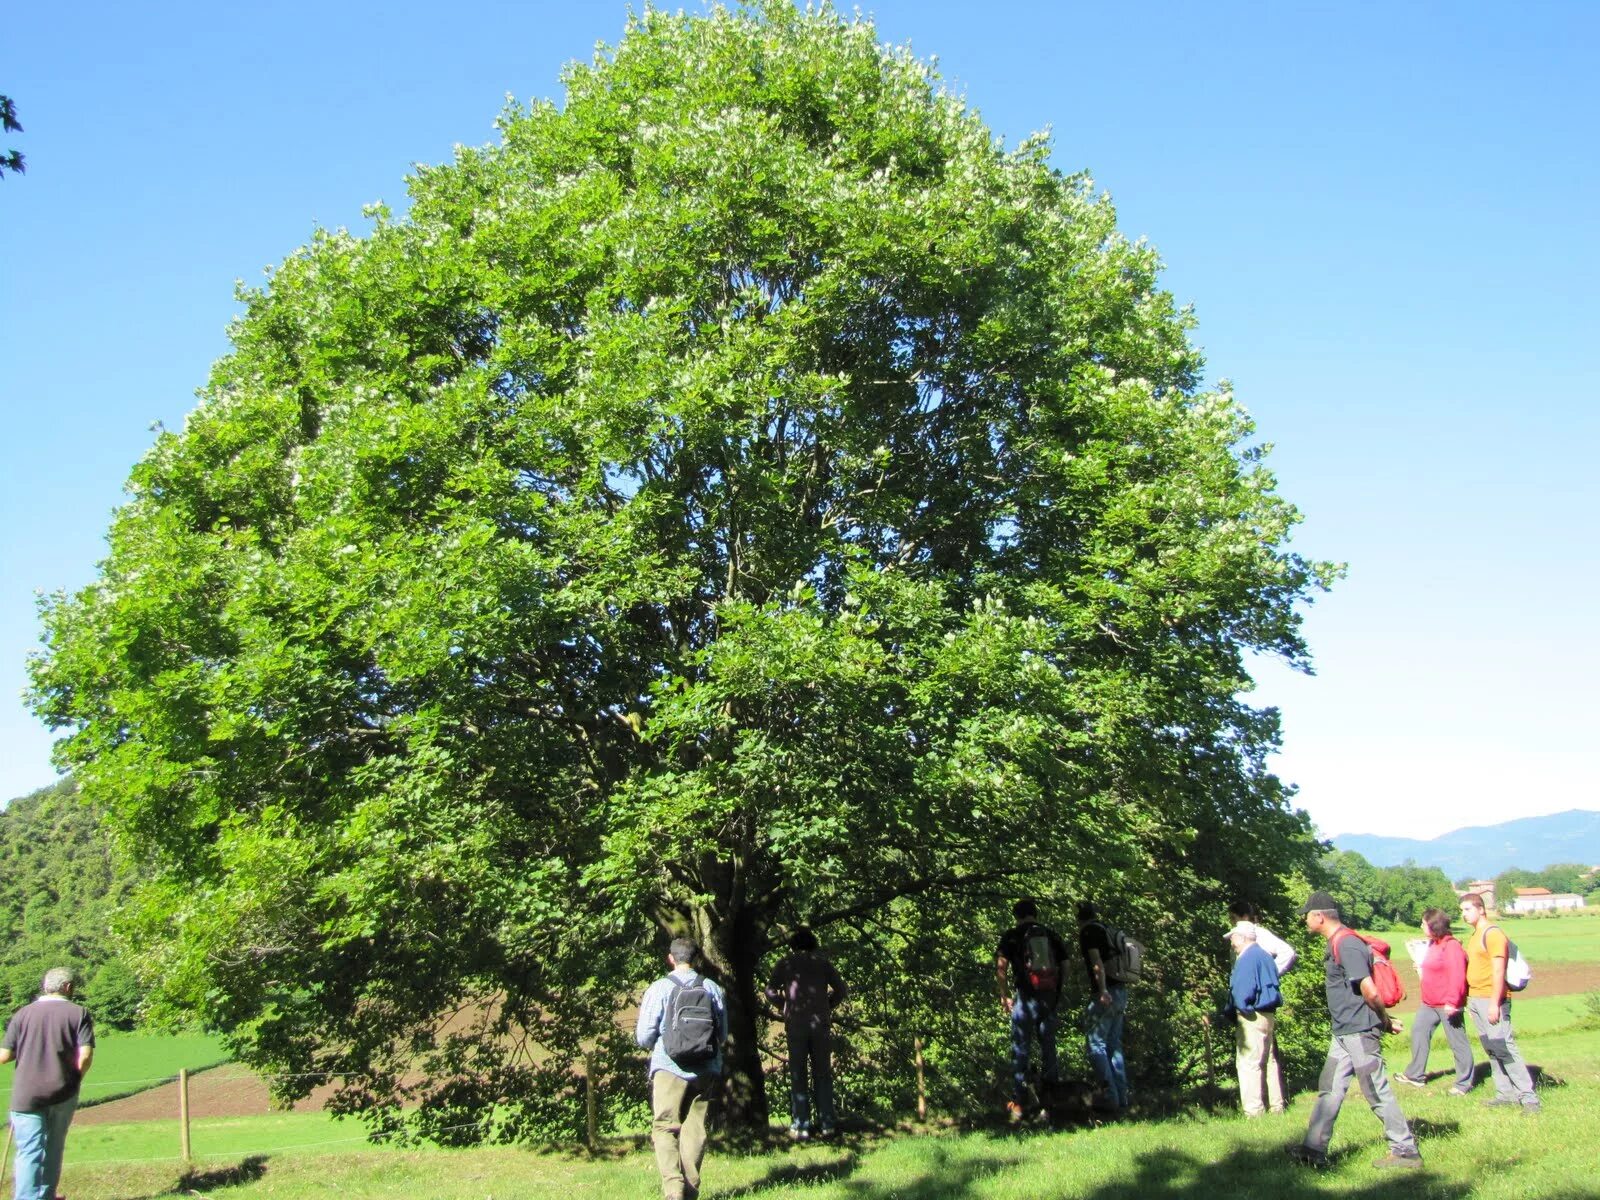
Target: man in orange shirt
1490,1005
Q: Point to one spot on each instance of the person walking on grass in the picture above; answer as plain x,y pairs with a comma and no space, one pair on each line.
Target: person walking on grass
1032,954
52,1043
1356,1049
1255,997
806,988
1444,997
1108,1006
1489,1002
683,1022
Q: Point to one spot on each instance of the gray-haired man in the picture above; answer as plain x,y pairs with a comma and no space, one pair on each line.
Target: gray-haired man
52,1043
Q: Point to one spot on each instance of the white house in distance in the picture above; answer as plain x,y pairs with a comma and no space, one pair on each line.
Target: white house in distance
1543,900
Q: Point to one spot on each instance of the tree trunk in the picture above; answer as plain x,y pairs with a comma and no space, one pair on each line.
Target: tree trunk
734,948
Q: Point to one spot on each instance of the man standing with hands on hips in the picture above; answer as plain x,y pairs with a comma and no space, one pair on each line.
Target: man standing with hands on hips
1356,1050
52,1043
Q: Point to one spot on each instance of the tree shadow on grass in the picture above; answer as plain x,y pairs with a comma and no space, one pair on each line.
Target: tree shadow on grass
247,1170
791,1174
1267,1173
946,1178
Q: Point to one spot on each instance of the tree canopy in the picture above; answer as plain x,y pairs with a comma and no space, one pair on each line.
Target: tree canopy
10,160
747,494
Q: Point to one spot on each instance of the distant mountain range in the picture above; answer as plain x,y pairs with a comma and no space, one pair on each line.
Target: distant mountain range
1483,851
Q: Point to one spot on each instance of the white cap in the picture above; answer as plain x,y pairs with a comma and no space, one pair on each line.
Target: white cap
1242,930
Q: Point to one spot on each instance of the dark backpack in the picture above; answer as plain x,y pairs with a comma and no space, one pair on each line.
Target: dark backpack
1384,978
1041,965
689,1030
1126,965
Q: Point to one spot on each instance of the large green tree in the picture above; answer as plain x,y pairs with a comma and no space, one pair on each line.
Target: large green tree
746,494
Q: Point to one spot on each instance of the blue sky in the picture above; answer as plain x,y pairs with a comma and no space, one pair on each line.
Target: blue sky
1385,215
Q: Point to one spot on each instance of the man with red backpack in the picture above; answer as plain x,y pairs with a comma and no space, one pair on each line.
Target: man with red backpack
1033,955
1360,1018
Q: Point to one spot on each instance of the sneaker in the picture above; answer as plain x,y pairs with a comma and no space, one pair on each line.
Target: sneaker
827,1131
1399,1162
1532,1110
1013,1112
1458,1090
1402,1077
1502,1102
799,1133
1306,1156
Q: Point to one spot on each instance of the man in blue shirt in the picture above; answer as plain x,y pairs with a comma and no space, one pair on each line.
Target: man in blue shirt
686,1013
1254,984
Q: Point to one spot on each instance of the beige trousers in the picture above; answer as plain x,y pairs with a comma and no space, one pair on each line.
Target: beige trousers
1256,1059
678,1132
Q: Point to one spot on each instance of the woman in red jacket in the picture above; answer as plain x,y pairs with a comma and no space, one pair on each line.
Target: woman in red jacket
1444,995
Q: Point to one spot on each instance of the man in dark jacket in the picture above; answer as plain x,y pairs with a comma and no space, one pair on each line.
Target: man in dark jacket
1255,996
52,1043
806,988
1032,954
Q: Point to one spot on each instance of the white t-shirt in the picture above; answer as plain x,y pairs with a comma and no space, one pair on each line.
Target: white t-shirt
1283,955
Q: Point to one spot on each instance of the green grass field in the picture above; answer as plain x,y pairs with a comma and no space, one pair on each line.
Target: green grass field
125,1063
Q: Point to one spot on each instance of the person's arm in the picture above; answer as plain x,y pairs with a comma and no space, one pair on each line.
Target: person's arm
1454,961
838,993
1001,962
648,1027
1283,954
1497,948
85,1057
1097,976
1369,989
6,1055
1242,988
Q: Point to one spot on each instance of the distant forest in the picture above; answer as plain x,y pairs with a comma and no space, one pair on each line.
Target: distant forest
61,883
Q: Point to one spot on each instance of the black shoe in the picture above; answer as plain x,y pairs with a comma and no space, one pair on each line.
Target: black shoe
1307,1157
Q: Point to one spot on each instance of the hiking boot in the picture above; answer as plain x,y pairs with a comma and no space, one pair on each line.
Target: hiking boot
1306,1156
1013,1112
1399,1162
1502,1102
1402,1077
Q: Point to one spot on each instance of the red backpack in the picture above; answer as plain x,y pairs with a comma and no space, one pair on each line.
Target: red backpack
1384,977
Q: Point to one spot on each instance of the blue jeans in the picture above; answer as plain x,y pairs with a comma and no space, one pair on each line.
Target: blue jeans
811,1046
1032,1016
41,1137
1103,1038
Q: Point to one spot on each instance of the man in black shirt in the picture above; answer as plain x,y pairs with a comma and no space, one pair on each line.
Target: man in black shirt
1033,954
1359,1021
52,1043
1108,1006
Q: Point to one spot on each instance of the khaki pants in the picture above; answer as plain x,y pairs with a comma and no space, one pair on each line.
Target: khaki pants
1257,1062
678,1131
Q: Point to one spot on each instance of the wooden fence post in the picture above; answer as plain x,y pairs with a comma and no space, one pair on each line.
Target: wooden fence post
922,1086
591,1104
183,1110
